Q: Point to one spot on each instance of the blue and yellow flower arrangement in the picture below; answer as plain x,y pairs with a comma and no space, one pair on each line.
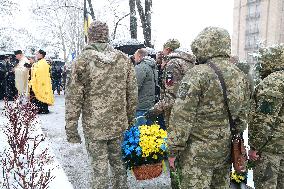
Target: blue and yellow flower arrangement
144,144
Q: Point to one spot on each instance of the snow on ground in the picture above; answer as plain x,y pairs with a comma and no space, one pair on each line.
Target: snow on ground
73,158
61,180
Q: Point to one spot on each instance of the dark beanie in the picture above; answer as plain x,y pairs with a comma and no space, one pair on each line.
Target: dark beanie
98,32
18,52
42,52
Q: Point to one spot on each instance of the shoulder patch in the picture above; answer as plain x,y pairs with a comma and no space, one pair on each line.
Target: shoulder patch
169,78
183,90
266,107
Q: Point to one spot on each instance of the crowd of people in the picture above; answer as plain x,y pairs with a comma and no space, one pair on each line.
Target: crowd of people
26,80
195,97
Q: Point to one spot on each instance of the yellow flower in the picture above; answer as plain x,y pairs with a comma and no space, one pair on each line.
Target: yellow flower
151,139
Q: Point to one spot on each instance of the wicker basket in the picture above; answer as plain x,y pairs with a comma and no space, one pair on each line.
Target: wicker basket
148,171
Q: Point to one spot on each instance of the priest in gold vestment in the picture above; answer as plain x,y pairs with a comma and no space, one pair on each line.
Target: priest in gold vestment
41,88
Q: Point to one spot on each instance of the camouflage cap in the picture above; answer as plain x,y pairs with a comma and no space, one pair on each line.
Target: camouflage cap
271,59
98,32
211,42
172,44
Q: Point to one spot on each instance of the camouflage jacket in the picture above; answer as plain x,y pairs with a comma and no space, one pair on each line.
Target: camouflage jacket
199,123
103,87
266,127
176,67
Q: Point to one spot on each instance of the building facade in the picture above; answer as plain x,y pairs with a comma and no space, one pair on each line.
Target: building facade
256,22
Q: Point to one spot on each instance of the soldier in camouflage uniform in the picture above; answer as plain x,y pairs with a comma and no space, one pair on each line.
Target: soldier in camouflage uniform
175,65
266,128
103,87
199,131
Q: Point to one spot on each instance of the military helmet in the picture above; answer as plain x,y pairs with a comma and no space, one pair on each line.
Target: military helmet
271,59
98,32
211,42
172,44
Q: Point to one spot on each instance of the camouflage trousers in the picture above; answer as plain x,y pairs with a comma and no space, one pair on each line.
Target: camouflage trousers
269,172
105,153
195,177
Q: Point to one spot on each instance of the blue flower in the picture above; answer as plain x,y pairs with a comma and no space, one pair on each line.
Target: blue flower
131,139
163,147
137,133
138,151
136,140
127,152
131,148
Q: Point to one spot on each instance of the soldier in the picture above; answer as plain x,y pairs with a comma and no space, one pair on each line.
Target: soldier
102,85
175,64
199,131
266,128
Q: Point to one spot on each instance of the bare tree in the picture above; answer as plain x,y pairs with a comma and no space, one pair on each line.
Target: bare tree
62,23
117,23
7,7
91,9
145,17
133,19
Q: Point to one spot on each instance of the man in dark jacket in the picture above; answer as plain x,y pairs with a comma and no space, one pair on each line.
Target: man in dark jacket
3,74
147,76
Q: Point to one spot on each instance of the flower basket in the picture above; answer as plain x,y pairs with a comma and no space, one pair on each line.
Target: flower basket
144,148
148,171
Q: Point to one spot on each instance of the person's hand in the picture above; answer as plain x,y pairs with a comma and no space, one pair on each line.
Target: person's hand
150,115
253,155
172,162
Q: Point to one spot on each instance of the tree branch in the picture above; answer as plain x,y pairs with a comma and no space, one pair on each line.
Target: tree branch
116,24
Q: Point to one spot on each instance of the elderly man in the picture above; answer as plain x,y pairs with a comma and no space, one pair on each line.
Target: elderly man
102,85
22,75
147,77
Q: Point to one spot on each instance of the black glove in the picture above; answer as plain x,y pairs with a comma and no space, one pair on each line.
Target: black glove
150,115
27,65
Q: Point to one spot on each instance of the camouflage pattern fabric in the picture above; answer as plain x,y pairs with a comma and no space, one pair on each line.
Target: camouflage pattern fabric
176,67
102,85
98,32
104,152
269,172
266,127
194,177
199,127
172,44
204,47
266,118
271,59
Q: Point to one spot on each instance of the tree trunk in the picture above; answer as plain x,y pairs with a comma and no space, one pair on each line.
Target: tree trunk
133,19
145,18
148,19
91,9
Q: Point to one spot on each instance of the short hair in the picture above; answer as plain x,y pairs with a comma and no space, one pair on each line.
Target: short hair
18,52
42,52
143,52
